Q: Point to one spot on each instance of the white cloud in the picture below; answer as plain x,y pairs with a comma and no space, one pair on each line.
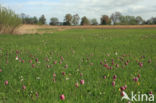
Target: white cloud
89,8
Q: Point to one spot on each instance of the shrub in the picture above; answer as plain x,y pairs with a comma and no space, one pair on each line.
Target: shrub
8,20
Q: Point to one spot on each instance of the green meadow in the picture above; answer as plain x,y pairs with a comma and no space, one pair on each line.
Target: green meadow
40,68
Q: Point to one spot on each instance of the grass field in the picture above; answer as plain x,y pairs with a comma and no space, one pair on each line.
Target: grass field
86,65
41,29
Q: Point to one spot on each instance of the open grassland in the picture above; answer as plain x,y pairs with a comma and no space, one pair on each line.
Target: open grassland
41,29
86,65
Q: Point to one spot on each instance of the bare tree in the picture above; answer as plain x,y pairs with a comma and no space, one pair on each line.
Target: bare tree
139,20
151,20
75,19
94,21
115,17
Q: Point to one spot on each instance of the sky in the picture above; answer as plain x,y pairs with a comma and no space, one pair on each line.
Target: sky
89,8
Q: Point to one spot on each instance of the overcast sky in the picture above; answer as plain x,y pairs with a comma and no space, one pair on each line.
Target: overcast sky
89,8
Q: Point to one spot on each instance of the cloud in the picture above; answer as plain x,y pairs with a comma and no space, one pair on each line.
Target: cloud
89,8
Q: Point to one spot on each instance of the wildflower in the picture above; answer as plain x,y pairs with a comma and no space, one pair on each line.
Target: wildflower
101,62
48,66
77,85
140,64
105,77
62,58
82,82
22,61
149,61
66,66
38,78
117,65
6,82
23,87
30,61
62,97
46,59
36,60
60,62
63,73
113,83
37,94
150,92
91,64
136,79
67,78
54,75
55,62
122,88
122,94
54,80
17,52
106,65
112,62
16,57
126,63
138,76
116,53
33,65
114,77
125,86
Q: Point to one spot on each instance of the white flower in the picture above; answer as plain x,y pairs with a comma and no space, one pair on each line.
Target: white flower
21,79
16,57
38,78
67,78
116,53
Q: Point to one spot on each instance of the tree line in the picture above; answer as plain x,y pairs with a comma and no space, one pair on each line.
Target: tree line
115,19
